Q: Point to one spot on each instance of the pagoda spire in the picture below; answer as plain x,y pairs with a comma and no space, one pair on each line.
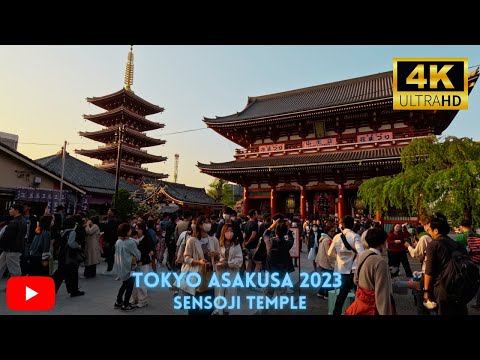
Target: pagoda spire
129,70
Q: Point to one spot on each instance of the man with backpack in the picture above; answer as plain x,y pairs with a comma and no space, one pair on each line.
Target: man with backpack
451,278
345,247
69,259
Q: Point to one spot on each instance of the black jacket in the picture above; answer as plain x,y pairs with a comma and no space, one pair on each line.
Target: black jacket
110,232
145,246
13,239
278,258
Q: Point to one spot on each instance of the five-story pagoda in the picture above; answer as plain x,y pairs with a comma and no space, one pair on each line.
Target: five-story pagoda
125,122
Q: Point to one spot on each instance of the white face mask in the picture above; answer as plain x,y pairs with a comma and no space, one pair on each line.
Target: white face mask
315,228
226,216
233,217
207,227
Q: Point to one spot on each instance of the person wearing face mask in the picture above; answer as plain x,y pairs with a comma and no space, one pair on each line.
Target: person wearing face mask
228,219
374,287
231,260
201,254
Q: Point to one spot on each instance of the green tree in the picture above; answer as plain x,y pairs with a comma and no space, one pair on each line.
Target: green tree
222,191
216,189
228,198
437,175
125,205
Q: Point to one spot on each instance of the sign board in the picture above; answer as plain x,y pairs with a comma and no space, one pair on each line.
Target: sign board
375,137
319,142
271,147
320,129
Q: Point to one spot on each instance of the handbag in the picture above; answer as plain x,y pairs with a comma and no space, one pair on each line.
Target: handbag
74,256
311,254
206,277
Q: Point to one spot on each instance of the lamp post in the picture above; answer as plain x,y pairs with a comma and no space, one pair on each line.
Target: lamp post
119,135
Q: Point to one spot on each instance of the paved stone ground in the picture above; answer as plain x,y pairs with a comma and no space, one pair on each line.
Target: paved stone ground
100,294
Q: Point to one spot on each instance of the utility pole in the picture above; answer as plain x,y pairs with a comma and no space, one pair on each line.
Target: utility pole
64,152
119,135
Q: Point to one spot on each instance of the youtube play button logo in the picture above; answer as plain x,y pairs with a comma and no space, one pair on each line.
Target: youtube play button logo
30,293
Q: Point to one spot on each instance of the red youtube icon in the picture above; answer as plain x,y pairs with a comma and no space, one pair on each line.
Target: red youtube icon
30,293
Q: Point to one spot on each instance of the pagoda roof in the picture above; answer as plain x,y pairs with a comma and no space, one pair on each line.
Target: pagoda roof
133,170
143,123
340,93
108,133
112,148
103,101
360,92
88,177
300,161
182,194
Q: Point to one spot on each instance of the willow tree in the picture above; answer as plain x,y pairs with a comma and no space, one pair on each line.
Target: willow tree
437,175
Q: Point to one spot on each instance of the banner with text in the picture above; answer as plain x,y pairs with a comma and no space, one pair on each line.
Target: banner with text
319,142
374,137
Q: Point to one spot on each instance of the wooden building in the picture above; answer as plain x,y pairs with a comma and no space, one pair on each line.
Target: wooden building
125,120
190,198
23,179
306,151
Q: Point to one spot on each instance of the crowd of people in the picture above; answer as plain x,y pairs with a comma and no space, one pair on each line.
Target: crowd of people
227,243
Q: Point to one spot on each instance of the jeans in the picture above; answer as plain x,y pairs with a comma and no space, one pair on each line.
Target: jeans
347,285
127,289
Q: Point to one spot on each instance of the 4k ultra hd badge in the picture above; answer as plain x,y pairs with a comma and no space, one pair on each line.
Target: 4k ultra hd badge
430,84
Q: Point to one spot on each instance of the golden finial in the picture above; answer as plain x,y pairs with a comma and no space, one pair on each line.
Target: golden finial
129,70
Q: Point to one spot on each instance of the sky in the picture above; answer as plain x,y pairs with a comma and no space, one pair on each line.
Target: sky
44,90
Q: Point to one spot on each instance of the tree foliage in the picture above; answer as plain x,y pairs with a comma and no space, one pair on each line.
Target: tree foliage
437,175
222,191
215,189
125,205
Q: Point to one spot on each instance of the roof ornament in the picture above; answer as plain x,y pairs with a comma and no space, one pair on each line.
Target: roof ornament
129,70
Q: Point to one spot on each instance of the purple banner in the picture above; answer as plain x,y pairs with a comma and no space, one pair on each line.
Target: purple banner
51,197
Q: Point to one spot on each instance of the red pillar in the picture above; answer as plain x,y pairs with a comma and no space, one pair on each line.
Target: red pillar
378,216
341,202
273,201
303,203
245,201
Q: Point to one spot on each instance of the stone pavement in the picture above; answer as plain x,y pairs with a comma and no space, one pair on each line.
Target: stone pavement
100,294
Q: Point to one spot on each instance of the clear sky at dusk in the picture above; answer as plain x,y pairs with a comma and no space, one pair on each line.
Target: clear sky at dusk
44,88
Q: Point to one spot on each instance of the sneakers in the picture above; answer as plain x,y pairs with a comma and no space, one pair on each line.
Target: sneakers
141,305
117,305
77,293
129,307
108,273
117,278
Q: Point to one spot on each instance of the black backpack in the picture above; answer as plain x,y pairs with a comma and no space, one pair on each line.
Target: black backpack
461,277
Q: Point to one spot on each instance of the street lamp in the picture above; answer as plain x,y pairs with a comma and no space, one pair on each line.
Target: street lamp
119,135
